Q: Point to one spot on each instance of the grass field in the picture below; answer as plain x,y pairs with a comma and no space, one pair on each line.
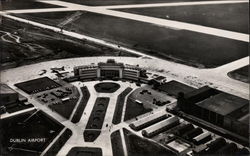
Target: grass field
191,48
50,18
134,109
241,74
121,2
233,17
24,4
183,46
38,45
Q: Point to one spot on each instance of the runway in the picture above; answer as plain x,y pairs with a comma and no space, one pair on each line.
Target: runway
147,19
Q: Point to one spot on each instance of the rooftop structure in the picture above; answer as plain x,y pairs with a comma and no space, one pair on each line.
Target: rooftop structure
220,108
161,126
148,120
223,103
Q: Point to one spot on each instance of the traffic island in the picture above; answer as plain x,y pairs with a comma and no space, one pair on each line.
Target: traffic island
94,125
107,87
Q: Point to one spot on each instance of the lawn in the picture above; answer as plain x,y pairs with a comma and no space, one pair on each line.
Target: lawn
84,100
96,119
116,142
119,106
133,109
107,87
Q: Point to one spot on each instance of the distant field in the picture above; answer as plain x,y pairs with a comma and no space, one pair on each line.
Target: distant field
38,45
233,17
122,2
191,48
24,4
241,74
50,18
180,45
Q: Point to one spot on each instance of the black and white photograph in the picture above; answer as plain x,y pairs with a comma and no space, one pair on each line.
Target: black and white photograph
124,78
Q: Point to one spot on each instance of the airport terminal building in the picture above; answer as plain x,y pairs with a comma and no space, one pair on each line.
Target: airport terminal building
110,70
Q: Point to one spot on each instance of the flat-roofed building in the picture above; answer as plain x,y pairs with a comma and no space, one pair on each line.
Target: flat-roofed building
86,72
131,73
160,126
226,110
202,138
179,146
148,120
220,108
110,70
